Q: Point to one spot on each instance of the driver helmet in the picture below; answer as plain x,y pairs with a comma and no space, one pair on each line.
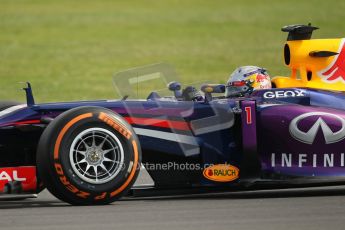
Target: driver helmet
244,80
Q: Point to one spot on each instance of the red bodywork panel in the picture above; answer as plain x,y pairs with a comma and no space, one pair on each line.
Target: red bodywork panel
20,179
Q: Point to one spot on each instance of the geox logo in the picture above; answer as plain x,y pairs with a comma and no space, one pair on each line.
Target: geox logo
308,137
284,94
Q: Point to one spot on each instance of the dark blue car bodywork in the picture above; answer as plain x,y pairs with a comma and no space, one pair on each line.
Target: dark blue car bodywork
258,135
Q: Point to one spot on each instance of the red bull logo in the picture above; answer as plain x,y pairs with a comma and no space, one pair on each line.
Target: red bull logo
264,81
336,70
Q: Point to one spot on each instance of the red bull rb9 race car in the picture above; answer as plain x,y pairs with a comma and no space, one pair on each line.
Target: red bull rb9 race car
91,152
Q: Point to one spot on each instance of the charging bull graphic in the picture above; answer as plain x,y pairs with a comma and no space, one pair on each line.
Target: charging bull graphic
336,71
314,63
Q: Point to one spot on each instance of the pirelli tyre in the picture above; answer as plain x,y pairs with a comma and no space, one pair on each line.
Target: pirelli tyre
88,156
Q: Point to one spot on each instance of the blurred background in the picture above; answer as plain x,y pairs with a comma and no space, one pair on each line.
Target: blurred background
69,50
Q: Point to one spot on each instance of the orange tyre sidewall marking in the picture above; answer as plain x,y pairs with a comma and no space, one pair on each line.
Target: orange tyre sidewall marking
115,125
64,130
131,175
126,133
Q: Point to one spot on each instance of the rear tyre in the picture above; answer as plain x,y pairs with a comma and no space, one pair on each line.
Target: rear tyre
88,156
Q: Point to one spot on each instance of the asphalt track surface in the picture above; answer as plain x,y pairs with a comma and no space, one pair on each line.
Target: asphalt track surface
288,209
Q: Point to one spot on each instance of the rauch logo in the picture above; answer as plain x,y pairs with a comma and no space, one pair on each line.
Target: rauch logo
221,173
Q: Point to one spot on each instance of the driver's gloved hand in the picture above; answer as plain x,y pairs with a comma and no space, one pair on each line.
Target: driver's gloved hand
190,93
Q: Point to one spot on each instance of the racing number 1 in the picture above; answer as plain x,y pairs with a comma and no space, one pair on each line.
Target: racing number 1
248,114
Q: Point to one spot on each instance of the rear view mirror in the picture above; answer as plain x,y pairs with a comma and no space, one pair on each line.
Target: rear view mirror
213,88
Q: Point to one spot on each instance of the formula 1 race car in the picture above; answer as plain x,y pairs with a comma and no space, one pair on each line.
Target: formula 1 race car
90,152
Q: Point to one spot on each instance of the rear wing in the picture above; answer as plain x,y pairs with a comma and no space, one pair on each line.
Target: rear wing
299,32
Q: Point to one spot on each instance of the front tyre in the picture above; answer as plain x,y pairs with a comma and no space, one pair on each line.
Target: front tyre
88,155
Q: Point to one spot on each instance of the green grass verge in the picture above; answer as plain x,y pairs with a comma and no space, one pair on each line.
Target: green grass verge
69,50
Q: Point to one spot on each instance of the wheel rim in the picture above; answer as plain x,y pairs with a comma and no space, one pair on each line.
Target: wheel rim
96,155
